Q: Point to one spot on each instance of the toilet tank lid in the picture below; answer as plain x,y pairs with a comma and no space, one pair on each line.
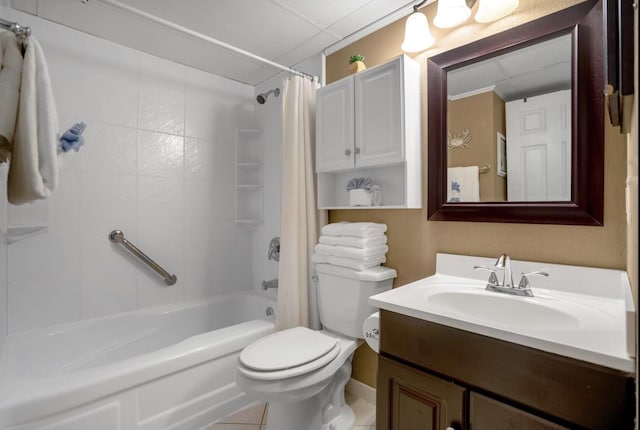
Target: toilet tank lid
374,274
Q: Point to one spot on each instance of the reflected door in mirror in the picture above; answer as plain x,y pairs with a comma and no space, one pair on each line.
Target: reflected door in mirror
539,148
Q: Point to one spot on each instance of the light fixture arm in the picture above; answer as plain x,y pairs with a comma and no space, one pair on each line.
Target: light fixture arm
419,5
470,4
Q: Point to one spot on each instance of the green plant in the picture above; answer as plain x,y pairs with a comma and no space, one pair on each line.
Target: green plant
355,58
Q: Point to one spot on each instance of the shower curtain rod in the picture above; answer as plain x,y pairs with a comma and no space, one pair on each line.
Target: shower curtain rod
201,36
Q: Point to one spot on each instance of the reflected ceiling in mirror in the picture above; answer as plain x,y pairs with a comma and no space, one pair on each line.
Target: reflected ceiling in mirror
509,126
465,71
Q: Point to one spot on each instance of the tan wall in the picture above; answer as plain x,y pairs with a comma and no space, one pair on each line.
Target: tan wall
414,241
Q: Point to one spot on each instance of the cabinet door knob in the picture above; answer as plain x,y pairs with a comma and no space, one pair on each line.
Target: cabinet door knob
357,150
347,152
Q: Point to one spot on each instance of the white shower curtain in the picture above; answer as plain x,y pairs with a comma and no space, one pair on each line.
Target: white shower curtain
299,219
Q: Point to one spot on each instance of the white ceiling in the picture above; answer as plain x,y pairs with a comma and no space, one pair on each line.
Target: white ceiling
285,31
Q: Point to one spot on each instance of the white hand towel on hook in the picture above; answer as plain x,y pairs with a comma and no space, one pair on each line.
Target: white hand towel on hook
33,172
10,72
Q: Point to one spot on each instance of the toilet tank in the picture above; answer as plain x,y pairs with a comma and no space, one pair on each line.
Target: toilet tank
343,296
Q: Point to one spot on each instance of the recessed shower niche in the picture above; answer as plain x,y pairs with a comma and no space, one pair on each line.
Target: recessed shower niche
249,181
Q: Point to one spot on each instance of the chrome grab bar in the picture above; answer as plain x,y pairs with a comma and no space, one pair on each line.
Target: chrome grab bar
116,236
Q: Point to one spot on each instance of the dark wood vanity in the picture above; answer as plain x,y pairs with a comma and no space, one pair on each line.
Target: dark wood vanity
431,376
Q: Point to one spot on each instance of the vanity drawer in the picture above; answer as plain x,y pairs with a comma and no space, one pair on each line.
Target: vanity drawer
574,391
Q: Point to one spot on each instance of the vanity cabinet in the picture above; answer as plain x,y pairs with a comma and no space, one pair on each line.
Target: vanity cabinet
368,125
432,376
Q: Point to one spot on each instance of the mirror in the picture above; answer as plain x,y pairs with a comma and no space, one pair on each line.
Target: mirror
516,131
509,126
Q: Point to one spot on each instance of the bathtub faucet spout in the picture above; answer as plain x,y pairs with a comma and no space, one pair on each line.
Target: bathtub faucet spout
270,284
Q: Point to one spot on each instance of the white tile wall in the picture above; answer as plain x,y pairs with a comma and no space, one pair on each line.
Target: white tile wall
157,164
269,118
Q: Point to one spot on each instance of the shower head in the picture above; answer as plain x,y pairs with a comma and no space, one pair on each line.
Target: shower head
263,97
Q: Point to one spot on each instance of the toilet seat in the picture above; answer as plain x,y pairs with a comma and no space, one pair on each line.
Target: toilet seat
288,353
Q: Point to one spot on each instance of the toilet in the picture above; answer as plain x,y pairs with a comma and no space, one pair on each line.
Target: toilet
302,373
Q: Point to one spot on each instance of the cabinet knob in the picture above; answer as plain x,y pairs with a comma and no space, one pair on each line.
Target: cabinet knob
357,150
347,152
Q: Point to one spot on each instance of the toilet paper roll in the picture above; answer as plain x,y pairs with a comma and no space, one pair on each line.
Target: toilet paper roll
371,331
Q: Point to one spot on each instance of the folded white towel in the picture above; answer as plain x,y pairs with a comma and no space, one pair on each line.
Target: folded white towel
351,252
359,229
356,242
347,262
355,264
10,74
33,172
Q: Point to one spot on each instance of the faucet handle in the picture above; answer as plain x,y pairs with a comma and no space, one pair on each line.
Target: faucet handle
524,281
493,279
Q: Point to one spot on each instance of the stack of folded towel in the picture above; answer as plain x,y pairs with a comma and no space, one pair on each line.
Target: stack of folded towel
357,245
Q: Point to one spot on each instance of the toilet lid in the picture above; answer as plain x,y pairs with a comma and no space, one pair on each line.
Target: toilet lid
288,349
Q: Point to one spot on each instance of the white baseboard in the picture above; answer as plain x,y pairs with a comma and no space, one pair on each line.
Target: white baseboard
361,390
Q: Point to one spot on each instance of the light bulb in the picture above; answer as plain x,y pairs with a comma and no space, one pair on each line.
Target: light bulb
417,36
492,10
451,13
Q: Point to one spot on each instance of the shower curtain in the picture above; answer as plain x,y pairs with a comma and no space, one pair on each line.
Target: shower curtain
300,220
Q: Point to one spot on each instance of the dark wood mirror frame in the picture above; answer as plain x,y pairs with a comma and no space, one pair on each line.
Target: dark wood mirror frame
585,23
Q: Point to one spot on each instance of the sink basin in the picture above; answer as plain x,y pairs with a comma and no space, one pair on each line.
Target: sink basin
504,310
579,312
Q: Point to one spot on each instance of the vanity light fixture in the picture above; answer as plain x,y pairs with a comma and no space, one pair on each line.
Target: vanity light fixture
417,36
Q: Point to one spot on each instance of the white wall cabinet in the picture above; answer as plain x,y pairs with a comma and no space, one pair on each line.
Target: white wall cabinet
249,177
368,125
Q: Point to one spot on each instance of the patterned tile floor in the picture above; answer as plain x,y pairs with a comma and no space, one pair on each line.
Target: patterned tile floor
254,417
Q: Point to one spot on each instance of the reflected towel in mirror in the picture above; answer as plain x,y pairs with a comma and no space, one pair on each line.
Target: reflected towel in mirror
463,184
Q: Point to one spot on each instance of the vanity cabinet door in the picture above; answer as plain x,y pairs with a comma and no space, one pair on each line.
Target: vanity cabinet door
411,400
490,414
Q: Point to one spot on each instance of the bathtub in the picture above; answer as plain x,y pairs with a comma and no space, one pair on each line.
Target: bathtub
170,367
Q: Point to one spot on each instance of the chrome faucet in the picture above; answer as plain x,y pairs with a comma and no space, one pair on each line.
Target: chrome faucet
508,287
504,263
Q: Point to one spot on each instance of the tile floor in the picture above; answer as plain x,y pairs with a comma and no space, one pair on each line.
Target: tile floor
254,417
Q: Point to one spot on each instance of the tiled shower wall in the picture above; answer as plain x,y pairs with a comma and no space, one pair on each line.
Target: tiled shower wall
157,164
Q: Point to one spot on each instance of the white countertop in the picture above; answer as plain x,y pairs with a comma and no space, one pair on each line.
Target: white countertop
578,312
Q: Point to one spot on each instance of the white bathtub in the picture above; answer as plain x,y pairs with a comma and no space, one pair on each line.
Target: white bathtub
162,368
